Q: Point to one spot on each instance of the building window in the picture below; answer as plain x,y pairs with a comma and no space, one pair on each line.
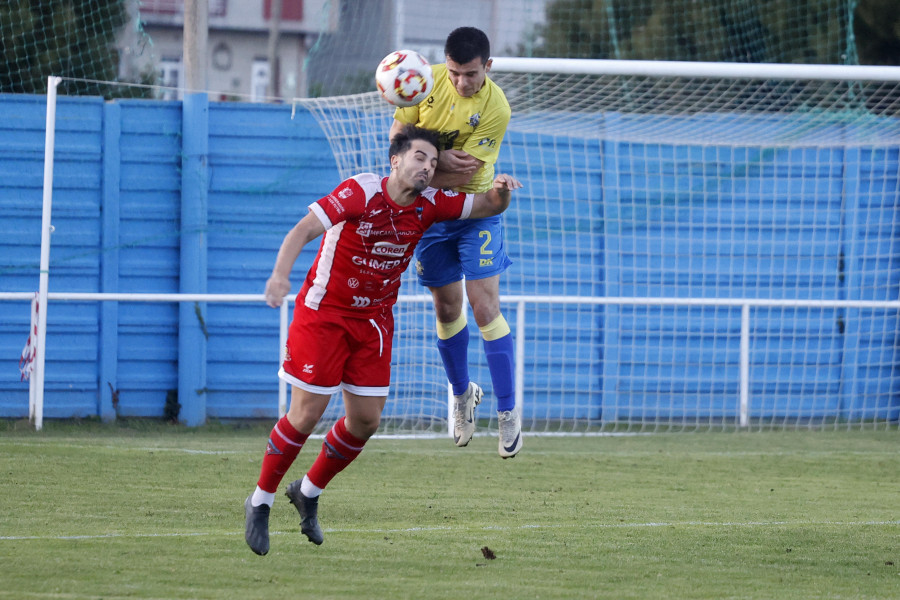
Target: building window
259,81
291,10
171,75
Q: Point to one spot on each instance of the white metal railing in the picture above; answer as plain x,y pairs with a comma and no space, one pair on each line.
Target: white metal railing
36,384
36,396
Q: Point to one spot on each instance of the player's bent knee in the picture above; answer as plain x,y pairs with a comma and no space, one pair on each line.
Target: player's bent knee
485,315
362,428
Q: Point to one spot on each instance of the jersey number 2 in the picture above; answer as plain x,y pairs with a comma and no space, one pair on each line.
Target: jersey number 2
487,255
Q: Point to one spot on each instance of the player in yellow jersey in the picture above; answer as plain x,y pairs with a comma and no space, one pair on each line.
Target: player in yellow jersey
470,112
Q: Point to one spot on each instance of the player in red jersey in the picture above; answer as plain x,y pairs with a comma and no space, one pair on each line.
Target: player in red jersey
340,337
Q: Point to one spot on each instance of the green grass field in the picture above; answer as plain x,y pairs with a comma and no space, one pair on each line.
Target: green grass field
137,510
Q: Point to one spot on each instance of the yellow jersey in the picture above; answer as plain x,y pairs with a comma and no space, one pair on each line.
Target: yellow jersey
475,125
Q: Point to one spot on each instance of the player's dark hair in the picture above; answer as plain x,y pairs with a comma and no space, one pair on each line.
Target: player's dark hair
465,44
402,140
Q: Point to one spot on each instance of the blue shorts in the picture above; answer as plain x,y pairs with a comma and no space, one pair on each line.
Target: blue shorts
451,249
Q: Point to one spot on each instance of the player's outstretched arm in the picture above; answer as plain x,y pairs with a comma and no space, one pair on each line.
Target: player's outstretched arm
279,283
496,200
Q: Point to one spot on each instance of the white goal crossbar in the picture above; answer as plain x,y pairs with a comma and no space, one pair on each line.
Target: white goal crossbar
654,68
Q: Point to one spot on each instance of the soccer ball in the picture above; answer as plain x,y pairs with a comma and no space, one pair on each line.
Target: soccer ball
404,78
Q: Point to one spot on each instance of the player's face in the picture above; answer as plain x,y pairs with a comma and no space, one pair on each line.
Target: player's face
468,77
416,166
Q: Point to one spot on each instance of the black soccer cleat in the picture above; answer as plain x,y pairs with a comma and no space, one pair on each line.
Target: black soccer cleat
256,530
308,509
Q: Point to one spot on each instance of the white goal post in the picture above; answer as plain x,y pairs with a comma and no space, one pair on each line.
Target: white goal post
698,245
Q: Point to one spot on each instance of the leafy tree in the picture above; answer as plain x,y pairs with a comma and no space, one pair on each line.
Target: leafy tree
789,31
74,39
877,32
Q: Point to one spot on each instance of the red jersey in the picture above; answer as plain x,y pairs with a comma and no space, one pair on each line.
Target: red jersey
369,242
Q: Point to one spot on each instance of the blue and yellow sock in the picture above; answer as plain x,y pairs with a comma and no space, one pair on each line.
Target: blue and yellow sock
453,345
500,352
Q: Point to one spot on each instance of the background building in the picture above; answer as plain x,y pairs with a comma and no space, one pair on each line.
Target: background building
238,61
322,47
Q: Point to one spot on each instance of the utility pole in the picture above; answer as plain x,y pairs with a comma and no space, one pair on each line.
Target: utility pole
196,35
399,22
272,56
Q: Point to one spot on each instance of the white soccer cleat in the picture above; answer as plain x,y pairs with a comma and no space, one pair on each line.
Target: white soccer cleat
464,414
510,423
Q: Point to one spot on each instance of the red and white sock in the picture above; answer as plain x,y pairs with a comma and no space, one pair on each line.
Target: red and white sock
283,446
338,450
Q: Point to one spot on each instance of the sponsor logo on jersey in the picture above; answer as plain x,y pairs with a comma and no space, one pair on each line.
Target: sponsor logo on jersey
374,263
369,232
364,228
487,141
391,232
474,120
389,249
335,203
353,283
361,301
447,138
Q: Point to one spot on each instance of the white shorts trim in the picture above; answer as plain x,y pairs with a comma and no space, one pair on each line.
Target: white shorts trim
359,390
366,390
314,389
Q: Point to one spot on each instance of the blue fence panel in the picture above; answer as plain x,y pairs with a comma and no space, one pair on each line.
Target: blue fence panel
554,225
147,252
72,332
615,218
719,222
21,181
266,167
872,337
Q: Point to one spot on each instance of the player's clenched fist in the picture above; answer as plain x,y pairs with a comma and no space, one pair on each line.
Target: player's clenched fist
277,288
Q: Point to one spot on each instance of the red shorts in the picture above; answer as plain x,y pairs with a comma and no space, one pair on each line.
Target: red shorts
326,352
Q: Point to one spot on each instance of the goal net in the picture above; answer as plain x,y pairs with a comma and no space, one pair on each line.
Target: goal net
696,246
